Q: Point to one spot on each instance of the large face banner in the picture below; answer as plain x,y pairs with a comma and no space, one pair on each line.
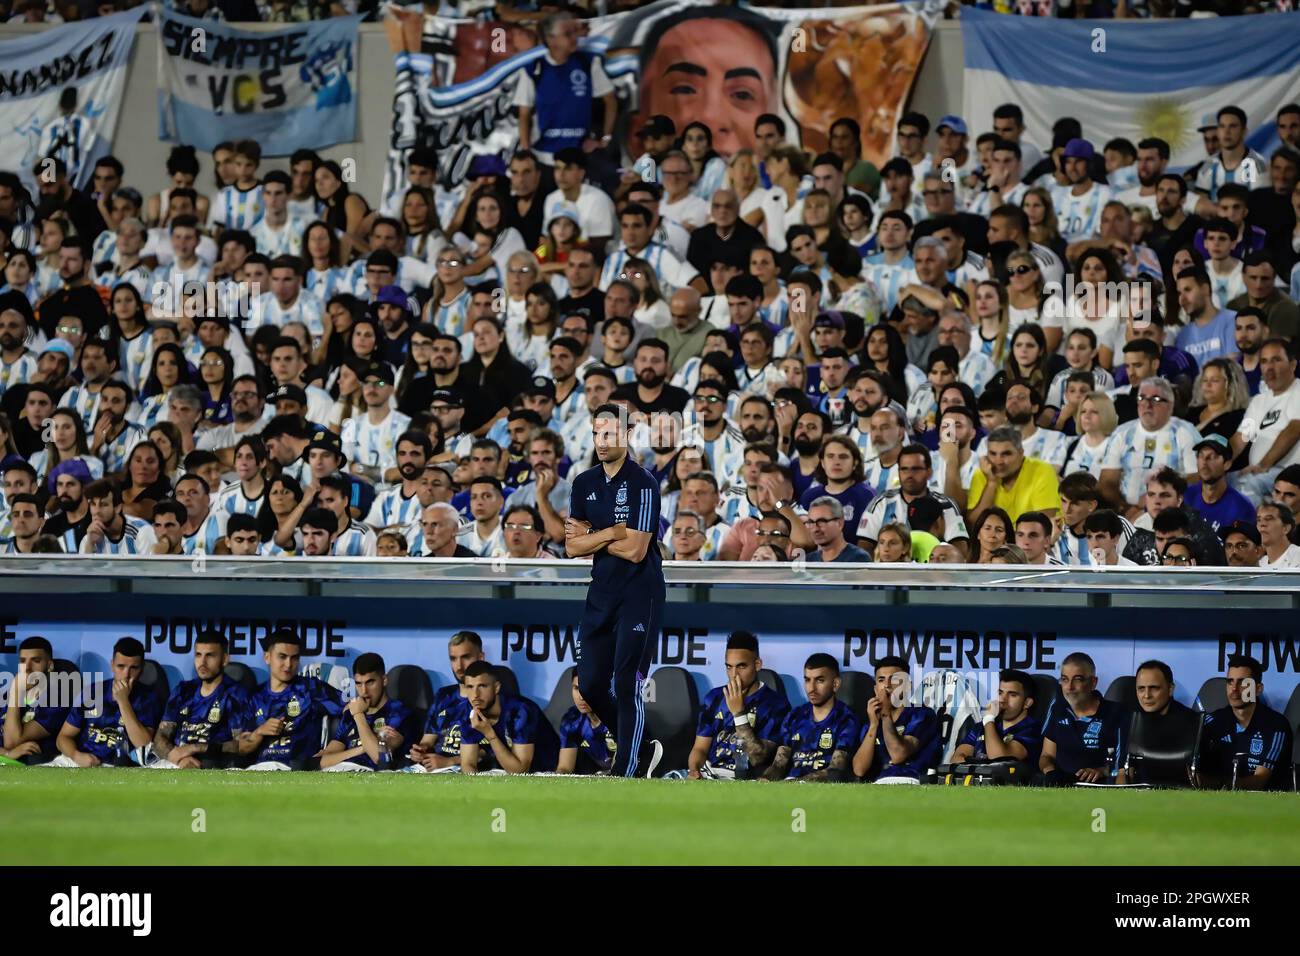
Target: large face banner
691,61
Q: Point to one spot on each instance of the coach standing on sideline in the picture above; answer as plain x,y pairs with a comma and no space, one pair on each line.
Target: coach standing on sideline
614,517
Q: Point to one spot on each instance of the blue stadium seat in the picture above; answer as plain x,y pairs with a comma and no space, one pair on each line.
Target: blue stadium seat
1048,688
546,741
509,682
154,677
561,699
1213,695
61,665
1123,690
773,680
242,675
671,715
410,684
856,688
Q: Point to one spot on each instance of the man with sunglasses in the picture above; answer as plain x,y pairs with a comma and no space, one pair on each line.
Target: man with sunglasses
1008,223
1154,440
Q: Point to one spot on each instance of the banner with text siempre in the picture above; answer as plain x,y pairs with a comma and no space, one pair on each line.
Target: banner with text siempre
90,58
687,59
538,639
287,89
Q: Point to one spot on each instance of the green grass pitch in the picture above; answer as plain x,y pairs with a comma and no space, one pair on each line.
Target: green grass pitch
124,817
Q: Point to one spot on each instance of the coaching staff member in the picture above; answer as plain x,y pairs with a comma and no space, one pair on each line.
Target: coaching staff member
614,517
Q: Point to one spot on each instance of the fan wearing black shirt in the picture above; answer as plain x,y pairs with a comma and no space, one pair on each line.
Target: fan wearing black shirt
76,296
651,392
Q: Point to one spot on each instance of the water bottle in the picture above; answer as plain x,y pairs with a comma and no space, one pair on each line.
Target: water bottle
385,756
742,763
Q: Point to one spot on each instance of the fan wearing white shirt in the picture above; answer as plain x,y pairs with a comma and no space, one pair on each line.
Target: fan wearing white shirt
1079,205
389,235
1105,531
1003,186
1224,269
405,501
279,233
288,301
679,204
1154,440
1271,425
185,265
1235,162
1275,522
370,442
354,539
635,228
111,532
484,536
595,208
288,365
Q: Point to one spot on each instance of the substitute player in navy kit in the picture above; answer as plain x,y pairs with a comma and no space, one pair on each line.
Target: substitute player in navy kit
614,517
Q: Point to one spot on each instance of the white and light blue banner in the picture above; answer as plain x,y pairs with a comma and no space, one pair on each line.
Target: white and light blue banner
287,89
1131,78
35,69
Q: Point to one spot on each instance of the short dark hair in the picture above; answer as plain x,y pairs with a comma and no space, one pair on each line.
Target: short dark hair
1245,660
1105,521
820,660
35,643
321,518
1012,676
212,636
284,635
128,647
1160,666
369,663
892,660
1172,478
743,641
765,119
479,668
1038,518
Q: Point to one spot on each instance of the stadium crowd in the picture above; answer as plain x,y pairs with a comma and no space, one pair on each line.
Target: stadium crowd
746,728
986,351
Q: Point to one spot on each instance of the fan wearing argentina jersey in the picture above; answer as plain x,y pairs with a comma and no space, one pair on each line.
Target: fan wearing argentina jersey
67,483
1023,405
370,441
774,306
352,538
246,495
914,474
485,536
888,431
1007,729
1083,733
1235,162
500,731
22,524
898,741
167,518
719,439
279,232
1246,745
956,464
892,268
202,526
240,205
1003,186
700,496
112,717
816,739
30,710
439,747
741,500
205,716
111,532
1079,205
1154,440
184,266
448,307
1080,497
868,393
288,301
1009,223
964,267
586,745
404,502
286,713
98,365
374,727
740,722
613,517
635,226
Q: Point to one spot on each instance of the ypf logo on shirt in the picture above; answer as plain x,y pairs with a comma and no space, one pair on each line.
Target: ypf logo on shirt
578,81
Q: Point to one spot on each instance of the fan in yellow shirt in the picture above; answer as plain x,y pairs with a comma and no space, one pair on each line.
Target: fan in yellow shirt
1012,482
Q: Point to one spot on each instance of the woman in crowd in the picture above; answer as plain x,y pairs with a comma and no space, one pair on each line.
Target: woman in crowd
991,532
1097,421
146,482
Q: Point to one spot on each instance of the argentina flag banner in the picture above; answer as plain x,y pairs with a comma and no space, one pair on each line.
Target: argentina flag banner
1132,79
287,89
61,91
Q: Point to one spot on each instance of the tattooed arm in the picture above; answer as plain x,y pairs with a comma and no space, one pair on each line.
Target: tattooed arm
780,764
839,760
